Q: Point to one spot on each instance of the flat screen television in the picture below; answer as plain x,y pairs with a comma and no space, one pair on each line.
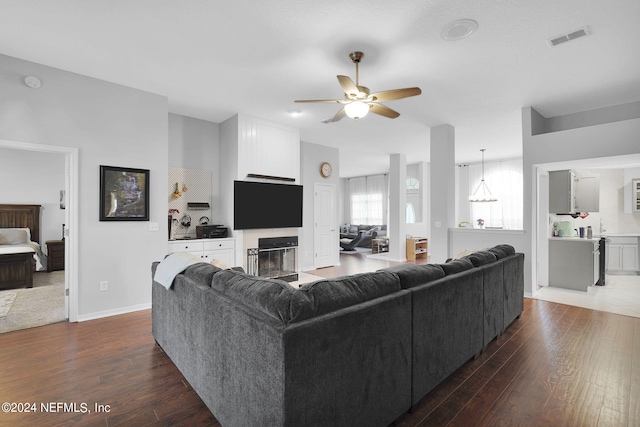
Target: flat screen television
266,205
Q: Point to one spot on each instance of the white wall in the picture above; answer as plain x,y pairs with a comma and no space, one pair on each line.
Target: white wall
110,125
40,186
311,156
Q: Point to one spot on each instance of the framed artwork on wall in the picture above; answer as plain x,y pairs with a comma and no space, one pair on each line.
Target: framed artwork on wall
124,194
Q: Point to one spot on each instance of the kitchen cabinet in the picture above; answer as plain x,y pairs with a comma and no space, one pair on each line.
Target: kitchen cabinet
635,195
623,254
207,249
571,192
573,263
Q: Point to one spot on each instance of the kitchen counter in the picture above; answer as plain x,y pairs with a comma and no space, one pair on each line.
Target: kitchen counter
573,266
575,239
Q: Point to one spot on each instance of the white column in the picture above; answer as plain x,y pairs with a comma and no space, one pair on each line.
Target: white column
442,185
397,202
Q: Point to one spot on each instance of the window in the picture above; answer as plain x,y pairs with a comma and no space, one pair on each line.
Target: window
368,200
412,184
504,179
410,213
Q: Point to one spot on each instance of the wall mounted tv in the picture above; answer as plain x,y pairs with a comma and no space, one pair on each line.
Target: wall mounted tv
266,205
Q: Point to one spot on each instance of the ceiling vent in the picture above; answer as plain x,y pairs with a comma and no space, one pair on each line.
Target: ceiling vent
575,34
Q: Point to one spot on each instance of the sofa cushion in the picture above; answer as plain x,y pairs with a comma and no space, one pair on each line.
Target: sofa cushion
481,258
353,229
502,251
413,275
201,272
456,266
269,296
325,296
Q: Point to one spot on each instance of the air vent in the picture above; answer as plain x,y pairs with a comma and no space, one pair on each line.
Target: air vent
575,34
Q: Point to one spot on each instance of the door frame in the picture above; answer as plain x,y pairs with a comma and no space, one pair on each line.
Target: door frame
71,216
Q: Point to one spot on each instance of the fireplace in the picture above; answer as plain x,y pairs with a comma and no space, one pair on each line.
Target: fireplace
275,258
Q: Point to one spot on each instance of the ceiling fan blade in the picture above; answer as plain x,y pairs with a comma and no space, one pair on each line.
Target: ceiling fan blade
348,85
389,95
334,101
338,116
383,110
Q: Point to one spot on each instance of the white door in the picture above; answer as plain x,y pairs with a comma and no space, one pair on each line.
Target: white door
326,246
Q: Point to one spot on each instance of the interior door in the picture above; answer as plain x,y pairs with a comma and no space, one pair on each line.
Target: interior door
326,245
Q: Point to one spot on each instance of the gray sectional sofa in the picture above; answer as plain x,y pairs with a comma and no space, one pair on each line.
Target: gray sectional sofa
357,350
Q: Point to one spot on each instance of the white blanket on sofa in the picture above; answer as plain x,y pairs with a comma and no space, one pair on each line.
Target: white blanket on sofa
173,265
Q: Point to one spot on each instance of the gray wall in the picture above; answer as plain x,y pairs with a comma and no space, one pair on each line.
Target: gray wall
110,125
591,142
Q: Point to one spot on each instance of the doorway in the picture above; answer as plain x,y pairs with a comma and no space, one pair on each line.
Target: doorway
70,230
324,218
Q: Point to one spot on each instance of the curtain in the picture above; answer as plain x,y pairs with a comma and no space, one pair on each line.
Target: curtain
504,179
368,200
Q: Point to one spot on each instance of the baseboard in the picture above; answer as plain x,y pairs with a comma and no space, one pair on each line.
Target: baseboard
115,312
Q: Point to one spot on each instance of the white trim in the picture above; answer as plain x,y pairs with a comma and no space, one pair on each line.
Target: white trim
114,312
71,249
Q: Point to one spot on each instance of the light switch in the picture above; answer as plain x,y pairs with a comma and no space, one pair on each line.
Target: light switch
154,226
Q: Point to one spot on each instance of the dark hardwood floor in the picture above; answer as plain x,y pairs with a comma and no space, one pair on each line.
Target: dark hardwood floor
557,365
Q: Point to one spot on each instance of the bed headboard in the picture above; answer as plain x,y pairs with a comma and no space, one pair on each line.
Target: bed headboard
21,216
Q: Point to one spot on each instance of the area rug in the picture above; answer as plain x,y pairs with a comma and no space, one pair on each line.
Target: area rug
6,301
41,305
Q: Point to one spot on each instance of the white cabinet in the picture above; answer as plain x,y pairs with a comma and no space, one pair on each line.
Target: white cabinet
207,249
570,192
635,195
623,254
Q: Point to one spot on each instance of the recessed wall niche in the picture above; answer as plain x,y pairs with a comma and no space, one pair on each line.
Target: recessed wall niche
193,185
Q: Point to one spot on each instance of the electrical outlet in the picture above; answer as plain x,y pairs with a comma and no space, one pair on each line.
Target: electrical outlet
154,226
104,286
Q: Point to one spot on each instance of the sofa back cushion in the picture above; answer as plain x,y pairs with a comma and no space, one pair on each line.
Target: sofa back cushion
325,296
481,258
456,266
281,301
413,275
502,251
269,296
201,272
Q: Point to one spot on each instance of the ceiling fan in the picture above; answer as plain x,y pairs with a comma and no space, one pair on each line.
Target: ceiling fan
358,100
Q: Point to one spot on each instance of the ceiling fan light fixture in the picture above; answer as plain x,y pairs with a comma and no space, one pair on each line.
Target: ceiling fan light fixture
356,109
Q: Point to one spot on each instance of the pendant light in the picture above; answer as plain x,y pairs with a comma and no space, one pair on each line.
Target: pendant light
482,193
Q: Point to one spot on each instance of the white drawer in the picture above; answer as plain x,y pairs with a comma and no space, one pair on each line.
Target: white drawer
221,244
619,240
185,247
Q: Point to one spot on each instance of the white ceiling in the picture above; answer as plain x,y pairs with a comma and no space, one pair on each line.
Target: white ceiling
213,59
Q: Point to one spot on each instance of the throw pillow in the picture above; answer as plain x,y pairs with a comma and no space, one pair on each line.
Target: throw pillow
221,265
456,266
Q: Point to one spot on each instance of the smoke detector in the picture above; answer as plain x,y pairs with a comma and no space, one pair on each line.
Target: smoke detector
458,30
572,35
32,82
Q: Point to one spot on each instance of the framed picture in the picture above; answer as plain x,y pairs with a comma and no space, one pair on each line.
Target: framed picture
124,194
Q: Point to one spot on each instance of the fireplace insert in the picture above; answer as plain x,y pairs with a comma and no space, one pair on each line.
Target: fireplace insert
275,258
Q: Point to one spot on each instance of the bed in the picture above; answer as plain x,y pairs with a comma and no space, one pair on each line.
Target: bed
20,251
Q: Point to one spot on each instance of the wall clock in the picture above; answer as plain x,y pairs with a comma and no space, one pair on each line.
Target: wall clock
325,169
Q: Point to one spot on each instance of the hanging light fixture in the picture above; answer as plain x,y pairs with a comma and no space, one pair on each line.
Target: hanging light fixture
482,193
